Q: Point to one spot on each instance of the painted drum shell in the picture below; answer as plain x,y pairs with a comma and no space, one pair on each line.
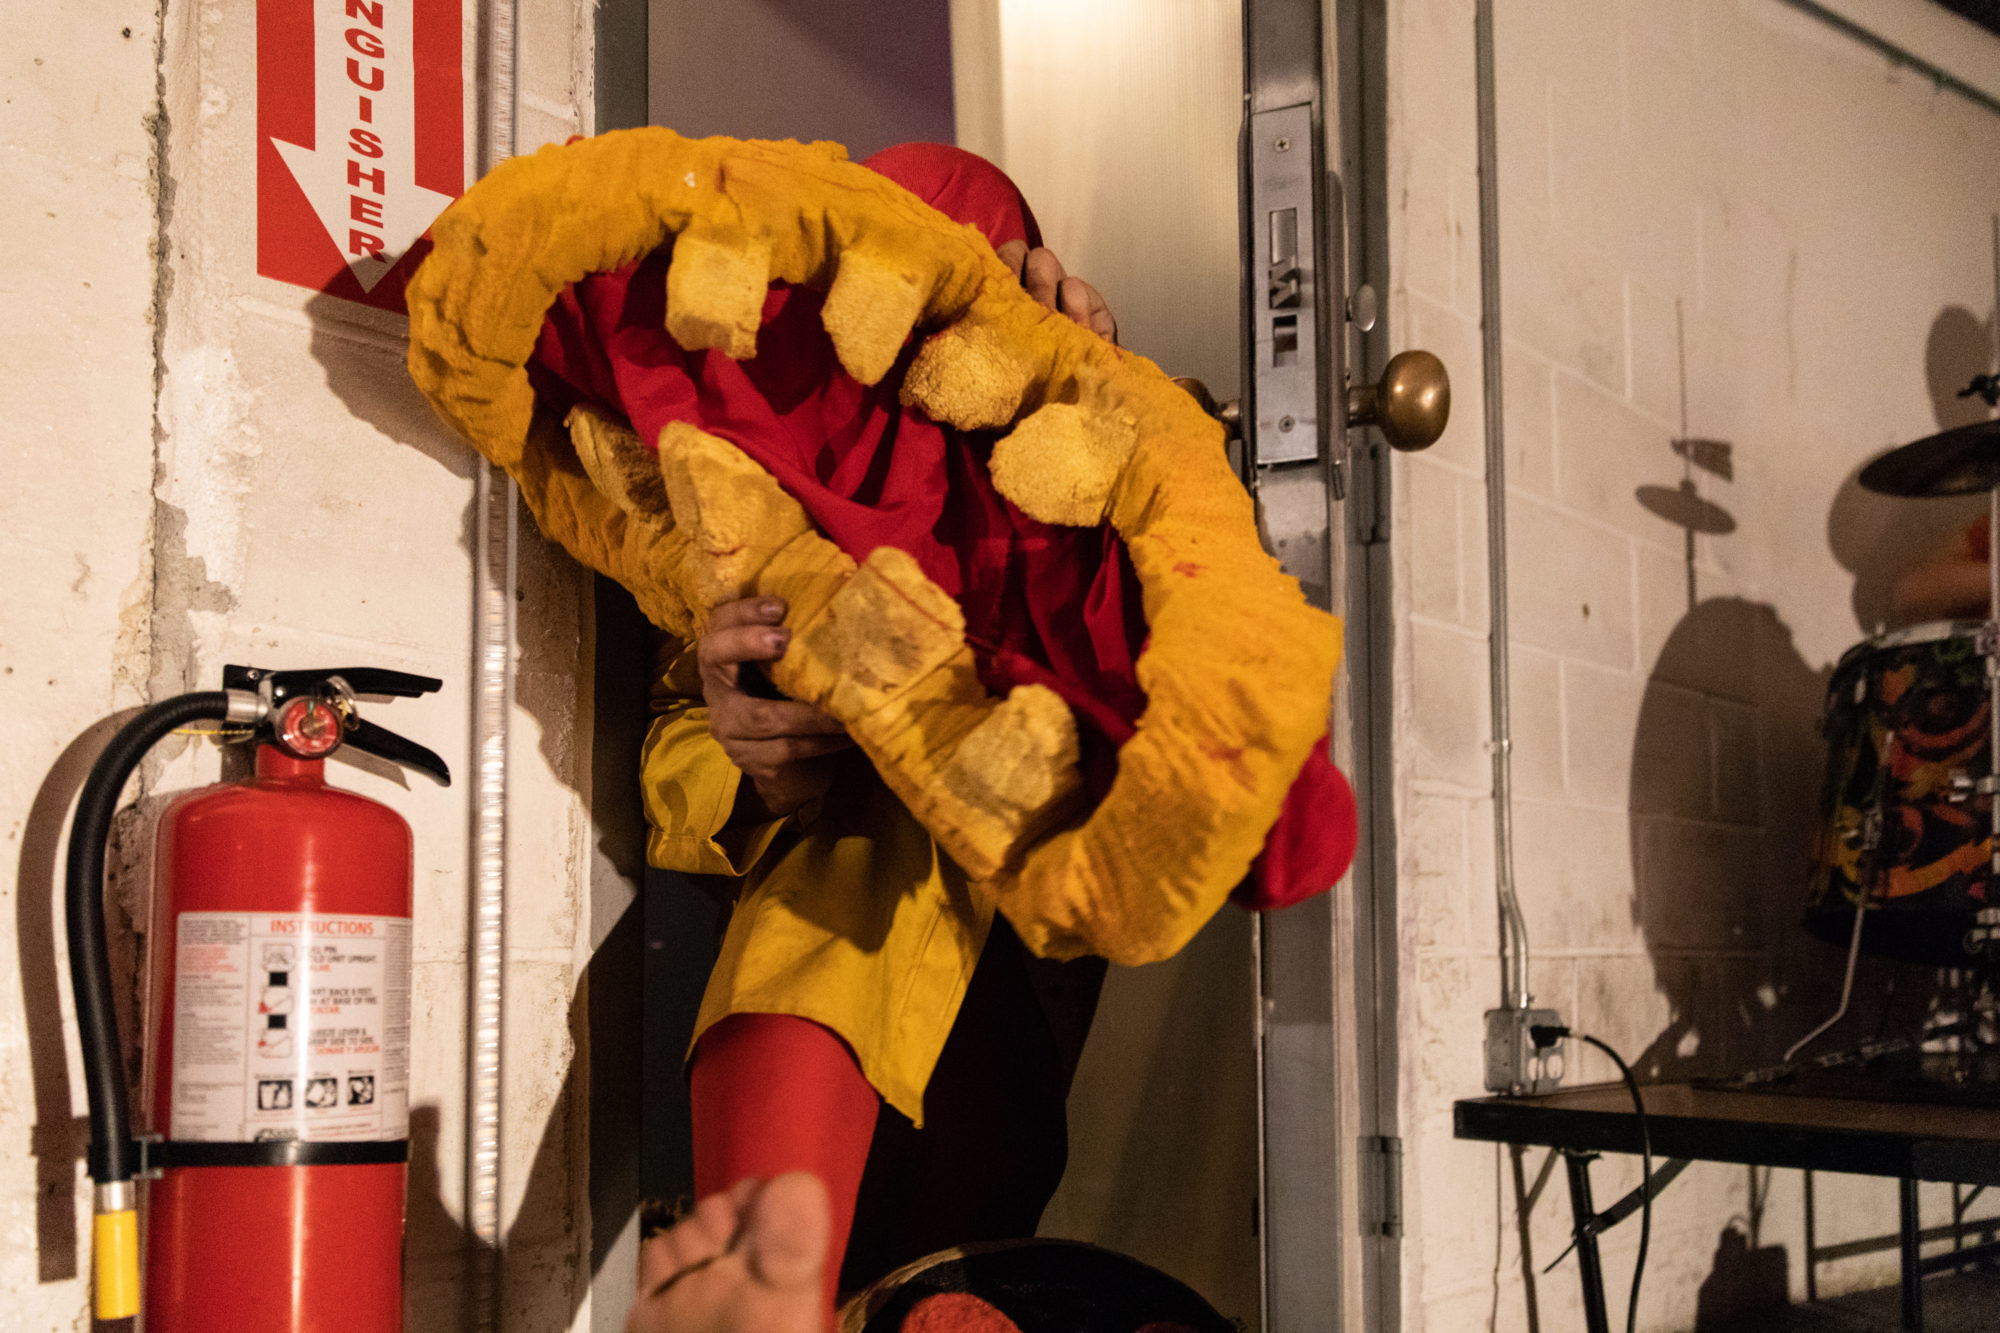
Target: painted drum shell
1908,738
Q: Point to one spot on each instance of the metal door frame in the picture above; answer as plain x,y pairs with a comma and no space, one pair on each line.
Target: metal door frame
1330,1214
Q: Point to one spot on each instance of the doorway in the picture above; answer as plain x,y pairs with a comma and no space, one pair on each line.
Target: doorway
1120,120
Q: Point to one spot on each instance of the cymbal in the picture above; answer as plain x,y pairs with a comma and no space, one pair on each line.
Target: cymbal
1960,461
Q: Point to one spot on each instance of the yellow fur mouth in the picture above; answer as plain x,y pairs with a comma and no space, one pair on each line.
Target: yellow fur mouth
1238,669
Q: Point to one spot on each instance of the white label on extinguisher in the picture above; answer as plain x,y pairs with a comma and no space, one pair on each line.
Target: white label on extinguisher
291,1026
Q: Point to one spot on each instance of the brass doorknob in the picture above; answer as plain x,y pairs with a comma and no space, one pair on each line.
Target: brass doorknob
1229,413
1410,404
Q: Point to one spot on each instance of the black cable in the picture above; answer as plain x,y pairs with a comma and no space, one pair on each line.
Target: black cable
113,1154
1549,1036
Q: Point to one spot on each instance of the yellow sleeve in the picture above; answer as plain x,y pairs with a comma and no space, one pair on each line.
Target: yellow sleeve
689,785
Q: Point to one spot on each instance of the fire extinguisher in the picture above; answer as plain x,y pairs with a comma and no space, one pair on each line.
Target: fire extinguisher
277,1022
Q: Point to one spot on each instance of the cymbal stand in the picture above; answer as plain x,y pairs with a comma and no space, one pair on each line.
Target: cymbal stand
1986,927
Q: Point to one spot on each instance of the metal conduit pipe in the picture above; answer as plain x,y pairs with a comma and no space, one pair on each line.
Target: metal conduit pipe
494,551
1513,928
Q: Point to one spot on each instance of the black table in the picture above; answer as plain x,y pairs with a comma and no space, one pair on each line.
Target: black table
1875,1138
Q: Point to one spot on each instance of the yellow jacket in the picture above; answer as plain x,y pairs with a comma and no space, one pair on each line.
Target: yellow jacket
848,915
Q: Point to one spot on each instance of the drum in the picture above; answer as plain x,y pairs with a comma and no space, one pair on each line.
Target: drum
1903,821
1031,1286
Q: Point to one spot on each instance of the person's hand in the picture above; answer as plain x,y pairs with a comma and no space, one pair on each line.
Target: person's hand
780,745
1048,282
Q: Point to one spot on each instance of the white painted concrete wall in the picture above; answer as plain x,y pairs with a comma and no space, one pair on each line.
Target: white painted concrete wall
1821,225
208,466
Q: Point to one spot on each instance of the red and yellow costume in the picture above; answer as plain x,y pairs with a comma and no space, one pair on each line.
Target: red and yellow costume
1193,678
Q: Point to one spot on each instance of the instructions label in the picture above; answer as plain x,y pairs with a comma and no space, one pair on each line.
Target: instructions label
291,1026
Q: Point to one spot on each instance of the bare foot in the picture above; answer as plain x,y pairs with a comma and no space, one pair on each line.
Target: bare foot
749,1261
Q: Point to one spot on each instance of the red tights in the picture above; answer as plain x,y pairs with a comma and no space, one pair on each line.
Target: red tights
772,1093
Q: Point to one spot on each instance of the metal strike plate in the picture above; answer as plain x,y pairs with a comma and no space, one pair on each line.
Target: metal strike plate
1284,286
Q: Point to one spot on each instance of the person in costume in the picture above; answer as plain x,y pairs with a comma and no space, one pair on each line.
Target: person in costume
1950,583
860,966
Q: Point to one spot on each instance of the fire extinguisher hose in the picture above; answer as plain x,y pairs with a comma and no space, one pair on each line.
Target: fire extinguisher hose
114,1155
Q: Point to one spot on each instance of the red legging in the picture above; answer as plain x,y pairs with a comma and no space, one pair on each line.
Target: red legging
771,1093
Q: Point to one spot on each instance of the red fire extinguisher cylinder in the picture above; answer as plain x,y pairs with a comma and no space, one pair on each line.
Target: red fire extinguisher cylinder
278,1023
291,1249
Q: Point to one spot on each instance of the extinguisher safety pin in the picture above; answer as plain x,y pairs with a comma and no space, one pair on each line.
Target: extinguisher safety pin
339,696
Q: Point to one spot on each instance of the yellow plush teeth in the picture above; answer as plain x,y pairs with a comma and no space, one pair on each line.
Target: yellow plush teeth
715,292
1062,461
1237,669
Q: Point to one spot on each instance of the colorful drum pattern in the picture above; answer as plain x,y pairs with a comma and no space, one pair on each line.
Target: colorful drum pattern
1907,732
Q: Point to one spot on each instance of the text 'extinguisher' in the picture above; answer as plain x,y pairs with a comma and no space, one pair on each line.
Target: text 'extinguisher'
277,1046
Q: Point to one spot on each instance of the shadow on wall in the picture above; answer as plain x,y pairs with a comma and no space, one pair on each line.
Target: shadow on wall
544,1286
1727,771
362,358
59,1136
1959,348
1726,774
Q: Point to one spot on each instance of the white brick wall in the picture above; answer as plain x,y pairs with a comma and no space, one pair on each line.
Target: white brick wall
268,487
1810,215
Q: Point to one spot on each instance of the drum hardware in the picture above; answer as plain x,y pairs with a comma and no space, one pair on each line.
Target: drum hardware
1857,1055
1984,937
1983,386
1847,981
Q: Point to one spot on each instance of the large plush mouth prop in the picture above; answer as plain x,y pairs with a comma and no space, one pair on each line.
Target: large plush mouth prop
1237,668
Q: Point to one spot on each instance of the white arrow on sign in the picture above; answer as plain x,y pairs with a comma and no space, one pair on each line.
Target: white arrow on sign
360,174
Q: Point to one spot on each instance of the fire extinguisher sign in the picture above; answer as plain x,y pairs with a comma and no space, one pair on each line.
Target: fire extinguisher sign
290,1026
360,140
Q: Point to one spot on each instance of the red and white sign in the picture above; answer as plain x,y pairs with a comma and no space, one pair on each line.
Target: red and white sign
360,140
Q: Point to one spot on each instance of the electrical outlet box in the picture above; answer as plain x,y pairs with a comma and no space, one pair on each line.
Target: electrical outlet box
1514,1064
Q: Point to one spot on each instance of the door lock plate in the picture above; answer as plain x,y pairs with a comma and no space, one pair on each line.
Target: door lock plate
1285,314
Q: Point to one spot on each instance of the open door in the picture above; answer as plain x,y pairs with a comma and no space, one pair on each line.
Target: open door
1209,165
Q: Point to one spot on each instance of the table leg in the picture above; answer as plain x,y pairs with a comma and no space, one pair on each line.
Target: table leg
1812,1244
1913,1274
1589,1265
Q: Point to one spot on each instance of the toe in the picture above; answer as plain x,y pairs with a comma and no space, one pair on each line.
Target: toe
787,1231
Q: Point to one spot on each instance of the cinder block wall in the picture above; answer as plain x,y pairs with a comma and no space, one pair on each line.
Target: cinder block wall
208,466
1719,220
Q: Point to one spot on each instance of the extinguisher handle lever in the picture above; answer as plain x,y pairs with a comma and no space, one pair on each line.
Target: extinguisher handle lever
386,744
360,680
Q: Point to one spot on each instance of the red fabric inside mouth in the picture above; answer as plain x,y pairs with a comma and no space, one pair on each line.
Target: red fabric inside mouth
1043,604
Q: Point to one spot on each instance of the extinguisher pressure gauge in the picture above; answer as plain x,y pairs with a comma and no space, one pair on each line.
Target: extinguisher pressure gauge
307,728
